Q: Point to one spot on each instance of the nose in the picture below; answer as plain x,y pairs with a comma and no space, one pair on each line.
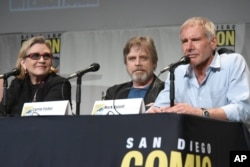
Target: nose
41,59
188,46
138,61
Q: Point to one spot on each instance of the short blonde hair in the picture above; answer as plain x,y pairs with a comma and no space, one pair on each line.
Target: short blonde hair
23,52
205,23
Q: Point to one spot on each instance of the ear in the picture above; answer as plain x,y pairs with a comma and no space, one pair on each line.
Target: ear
214,42
154,66
22,62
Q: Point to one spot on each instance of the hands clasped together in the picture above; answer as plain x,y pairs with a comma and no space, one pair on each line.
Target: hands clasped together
179,108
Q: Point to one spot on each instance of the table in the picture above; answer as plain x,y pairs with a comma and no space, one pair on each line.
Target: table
119,140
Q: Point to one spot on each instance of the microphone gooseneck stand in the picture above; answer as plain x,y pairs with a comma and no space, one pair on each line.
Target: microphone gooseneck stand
5,87
78,94
171,68
172,86
93,67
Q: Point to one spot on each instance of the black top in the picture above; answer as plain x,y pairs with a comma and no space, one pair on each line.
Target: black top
53,88
121,91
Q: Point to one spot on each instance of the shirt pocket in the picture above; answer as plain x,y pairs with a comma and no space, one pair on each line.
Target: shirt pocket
218,97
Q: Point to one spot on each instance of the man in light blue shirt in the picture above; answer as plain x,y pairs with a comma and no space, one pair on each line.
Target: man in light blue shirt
212,85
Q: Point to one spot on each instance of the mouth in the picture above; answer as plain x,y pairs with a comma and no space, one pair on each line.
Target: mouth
191,54
41,67
139,71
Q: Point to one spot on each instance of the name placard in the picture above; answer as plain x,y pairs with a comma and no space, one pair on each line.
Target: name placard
119,107
46,108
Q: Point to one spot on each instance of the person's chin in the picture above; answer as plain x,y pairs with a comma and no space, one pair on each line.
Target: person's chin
42,73
140,78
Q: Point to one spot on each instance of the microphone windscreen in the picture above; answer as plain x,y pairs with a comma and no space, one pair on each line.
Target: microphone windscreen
95,66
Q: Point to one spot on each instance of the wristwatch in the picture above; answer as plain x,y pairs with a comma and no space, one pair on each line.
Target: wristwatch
205,113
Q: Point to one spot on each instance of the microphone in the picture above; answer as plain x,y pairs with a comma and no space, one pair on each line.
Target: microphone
13,72
93,67
183,60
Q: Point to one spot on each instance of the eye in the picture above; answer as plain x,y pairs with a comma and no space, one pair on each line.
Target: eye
47,56
184,41
131,58
144,58
35,56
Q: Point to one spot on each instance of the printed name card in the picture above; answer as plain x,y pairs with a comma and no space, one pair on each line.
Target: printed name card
46,108
119,107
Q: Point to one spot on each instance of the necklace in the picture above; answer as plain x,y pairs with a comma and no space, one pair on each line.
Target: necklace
37,87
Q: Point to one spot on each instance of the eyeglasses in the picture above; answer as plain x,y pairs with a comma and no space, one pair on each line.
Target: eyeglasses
37,56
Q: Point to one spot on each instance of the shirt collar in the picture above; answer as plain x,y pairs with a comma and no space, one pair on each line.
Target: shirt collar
215,64
216,61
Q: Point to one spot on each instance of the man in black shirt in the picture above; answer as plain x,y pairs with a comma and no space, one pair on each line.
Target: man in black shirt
140,58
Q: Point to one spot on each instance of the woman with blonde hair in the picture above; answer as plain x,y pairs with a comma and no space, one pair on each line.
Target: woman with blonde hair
37,80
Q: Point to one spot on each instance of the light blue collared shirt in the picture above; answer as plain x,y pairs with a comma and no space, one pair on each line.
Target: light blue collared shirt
226,86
